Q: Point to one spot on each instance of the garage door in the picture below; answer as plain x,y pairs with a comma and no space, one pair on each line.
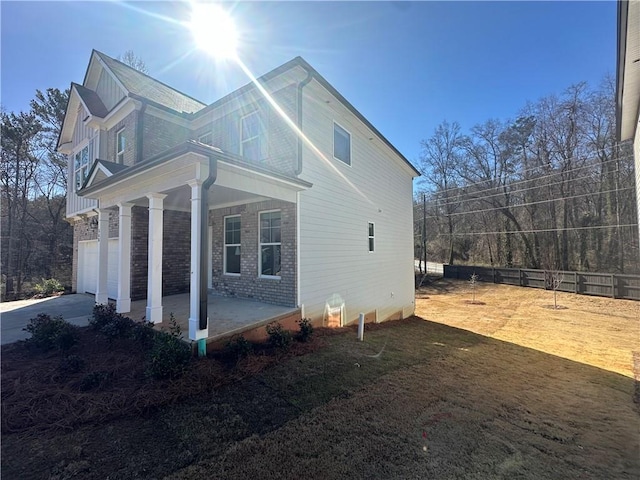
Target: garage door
88,267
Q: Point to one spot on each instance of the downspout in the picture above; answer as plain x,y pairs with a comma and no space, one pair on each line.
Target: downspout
301,85
204,242
140,132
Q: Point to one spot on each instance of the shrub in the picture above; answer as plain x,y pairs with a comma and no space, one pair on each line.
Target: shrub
306,330
102,314
72,364
48,287
278,336
143,333
94,380
238,347
48,333
119,327
168,356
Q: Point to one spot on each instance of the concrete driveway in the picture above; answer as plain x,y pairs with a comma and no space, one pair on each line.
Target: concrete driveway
14,316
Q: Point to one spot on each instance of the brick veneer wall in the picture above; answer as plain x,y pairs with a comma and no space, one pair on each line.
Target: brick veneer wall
160,135
129,124
176,252
248,284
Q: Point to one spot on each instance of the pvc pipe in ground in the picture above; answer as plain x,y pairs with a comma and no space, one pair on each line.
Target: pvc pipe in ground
202,347
361,327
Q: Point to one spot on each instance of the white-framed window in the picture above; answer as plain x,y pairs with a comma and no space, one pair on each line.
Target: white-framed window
232,247
206,138
81,164
121,143
270,246
341,144
251,133
372,237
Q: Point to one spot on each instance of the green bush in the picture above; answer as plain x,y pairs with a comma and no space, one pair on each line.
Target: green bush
306,330
48,287
72,364
102,315
168,356
278,336
94,380
110,323
48,333
238,347
143,334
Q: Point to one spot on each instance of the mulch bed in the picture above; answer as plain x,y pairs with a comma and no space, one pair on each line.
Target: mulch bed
38,396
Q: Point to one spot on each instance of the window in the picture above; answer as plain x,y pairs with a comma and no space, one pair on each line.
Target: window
270,244
120,145
341,144
206,138
250,133
372,235
81,166
232,247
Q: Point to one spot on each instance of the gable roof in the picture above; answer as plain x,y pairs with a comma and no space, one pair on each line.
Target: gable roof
143,85
91,100
301,62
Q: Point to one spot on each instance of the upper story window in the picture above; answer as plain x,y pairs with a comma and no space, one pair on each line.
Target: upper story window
251,133
341,144
206,138
232,247
270,244
372,237
121,143
81,165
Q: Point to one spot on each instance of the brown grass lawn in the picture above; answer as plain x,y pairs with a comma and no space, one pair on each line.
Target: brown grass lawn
534,394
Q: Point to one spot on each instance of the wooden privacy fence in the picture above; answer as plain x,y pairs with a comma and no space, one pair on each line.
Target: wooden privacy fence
599,284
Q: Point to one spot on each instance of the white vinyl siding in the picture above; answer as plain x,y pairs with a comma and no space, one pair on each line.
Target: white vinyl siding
270,247
82,136
108,90
232,244
377,188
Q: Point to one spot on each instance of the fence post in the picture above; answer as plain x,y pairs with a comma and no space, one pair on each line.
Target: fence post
613,286
575,282
520,278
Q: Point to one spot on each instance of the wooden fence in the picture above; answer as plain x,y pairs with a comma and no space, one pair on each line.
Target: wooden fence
599,284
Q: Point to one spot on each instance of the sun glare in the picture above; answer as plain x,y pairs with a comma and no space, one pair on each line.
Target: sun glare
213,30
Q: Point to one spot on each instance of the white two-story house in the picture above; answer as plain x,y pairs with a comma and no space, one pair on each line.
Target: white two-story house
284,194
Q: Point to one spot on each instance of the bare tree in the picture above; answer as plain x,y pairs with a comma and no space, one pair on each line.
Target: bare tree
131,59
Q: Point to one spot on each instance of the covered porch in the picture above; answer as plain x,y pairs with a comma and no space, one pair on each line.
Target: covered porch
227,316
199,183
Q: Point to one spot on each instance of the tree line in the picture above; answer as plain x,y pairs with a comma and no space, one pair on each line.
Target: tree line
36,240
552,189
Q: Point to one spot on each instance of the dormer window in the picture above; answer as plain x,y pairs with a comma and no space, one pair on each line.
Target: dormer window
81,166
250,136
121,143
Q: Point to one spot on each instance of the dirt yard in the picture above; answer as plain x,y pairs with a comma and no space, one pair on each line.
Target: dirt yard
416,399
601,332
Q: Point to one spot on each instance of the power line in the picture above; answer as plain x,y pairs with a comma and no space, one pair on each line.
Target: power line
539,230
506,207
518,182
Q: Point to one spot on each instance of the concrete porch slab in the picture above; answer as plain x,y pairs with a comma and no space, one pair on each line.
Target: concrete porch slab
227,316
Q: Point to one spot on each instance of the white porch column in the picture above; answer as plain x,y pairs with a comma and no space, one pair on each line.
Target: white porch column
102,296
194,287
154,271
123,303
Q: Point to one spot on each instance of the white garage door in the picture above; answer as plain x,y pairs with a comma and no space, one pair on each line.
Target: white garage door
88,267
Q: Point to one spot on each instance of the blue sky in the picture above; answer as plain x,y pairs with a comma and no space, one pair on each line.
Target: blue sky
405,66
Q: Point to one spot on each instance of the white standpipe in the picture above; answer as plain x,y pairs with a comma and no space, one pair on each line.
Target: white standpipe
361,327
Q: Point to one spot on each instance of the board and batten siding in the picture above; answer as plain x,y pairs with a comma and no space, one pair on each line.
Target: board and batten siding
81,136
108,90
335,213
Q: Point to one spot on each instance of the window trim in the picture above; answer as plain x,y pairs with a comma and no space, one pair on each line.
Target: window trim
207,134
333,140
371,243
258,136
86,144
120,153
225,245
260,244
